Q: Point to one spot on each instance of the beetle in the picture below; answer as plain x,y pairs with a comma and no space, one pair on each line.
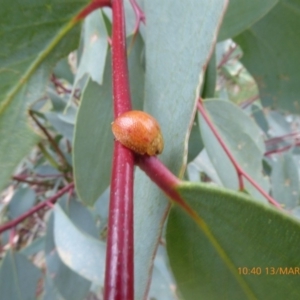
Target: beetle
139,132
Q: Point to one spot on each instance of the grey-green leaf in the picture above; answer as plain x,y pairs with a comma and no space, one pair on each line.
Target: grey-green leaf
18,277
79,251
65,281
285,180
241,14
92,61
177,52
93,140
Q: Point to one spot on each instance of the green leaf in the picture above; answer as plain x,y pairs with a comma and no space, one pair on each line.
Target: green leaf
79,251
285,181
176,55
18,277
33,38
242,137
241,14
93,140
235,232
271,54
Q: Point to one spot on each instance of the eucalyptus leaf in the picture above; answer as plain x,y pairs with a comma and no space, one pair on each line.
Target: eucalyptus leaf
18,277
285,181
92,60
66,282
235,250
79,251
241,14
176,55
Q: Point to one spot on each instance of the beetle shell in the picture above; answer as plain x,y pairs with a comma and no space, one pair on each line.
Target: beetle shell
139,132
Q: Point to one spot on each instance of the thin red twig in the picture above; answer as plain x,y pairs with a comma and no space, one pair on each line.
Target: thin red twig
282,138
95,4
280,150
58,84
249,101
226,56
119,271
240,172
139,14
36,208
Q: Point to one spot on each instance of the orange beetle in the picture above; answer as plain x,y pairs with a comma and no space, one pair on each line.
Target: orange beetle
139,132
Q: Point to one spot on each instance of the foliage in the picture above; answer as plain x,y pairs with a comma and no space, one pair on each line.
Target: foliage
55,132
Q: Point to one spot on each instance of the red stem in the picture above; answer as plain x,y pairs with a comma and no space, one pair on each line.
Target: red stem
36,208
240,172
226,56
119,271
282,138
223,145
165,179
91,7
139,14
159,174
249,101
280,150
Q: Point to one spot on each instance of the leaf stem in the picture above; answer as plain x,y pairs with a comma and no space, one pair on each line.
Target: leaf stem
139,14
95,4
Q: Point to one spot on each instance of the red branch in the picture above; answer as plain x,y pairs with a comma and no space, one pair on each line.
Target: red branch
280,150
36,208
293,135
139,14
159,174
249,101
240,172
95,4
119,271
226,57
165,179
